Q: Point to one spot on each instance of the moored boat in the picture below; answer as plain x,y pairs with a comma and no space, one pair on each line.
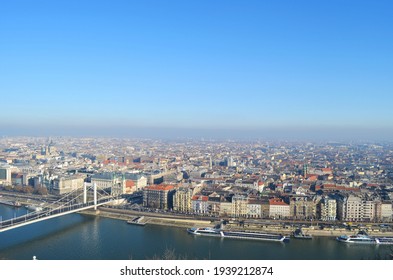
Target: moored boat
299,234
388,240
17,204
250,235
207,231
137,221
11,203
363,238
34,208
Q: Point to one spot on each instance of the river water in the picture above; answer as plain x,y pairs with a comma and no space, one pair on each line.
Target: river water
82,237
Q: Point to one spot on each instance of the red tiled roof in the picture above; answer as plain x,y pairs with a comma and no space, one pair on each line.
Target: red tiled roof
312,178
130,183
160,187
200,197
330,187
277,201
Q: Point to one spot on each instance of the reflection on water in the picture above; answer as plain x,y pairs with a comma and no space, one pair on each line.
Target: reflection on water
78,236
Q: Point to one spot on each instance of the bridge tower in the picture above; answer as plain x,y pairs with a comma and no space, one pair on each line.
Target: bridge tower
94,193
84,193
95,196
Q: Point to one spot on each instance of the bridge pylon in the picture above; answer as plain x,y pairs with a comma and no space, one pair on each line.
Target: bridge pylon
84,193
95,196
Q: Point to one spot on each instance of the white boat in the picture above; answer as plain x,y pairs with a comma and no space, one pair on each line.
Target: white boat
358,238
34,208
363,238
11,203
207,231
250,235
384,240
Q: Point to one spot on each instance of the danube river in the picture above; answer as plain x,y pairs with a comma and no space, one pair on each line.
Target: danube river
81,237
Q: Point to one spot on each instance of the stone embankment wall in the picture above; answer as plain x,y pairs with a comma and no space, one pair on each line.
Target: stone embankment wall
186,222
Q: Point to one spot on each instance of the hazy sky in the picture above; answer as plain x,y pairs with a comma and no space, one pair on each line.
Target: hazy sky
82,66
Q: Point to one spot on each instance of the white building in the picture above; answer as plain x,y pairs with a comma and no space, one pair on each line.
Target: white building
278,209
328,209
254,209
67,184
355,208
116,183
199,204
5,175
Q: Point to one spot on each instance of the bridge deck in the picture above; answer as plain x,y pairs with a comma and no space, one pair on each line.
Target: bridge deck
39,216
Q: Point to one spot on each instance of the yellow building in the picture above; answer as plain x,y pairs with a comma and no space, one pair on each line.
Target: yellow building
182,200
239,206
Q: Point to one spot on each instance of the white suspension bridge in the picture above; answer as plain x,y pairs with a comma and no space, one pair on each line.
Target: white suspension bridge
73,202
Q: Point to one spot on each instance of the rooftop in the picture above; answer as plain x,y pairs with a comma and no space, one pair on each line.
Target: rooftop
160,187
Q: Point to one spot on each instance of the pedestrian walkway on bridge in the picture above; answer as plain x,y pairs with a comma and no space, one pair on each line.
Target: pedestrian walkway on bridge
70,203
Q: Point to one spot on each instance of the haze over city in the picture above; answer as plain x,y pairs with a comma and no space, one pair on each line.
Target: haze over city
239,137
220,69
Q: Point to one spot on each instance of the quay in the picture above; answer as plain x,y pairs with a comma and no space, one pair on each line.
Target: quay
186,222
139,221
11,203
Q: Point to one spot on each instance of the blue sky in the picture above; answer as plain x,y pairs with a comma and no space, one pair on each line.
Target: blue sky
230,65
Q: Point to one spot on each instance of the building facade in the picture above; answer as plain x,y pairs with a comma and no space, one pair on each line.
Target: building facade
254,209
5,176
225,209
386,212
239,206
302,208
200,204
278,209
67,184
328,209
139,180
214,204
182,200
356,208
158,197
113,182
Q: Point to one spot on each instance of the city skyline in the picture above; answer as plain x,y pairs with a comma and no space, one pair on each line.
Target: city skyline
223,69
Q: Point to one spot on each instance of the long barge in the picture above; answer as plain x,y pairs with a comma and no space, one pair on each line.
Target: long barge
249,235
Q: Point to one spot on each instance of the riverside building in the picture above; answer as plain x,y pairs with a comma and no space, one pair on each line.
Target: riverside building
158,196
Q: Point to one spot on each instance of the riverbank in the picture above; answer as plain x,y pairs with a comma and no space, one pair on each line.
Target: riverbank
24,199
182,221
126,215
186,222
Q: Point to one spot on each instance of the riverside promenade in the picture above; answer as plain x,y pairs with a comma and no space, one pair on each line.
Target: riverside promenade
187,221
